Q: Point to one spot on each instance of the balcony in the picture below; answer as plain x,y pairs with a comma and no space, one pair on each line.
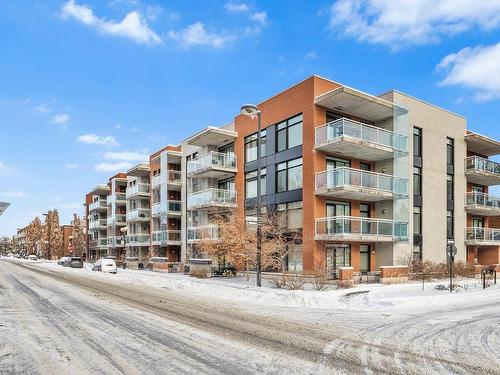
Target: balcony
139,214
482,237
98,243
118,198
482,204
214,165
116,241
138,240
211,198
482,171
99,224
207,232
173,180
140,189
348,183
168,208
357,229
118,219
98,205
357,140
166,237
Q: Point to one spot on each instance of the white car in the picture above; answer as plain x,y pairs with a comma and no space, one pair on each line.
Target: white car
105,265
32,257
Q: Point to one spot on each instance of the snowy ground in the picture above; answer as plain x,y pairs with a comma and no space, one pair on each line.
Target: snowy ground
57,320
399,297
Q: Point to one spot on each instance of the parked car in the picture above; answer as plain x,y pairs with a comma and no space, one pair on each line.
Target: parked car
10,255
105,265
73,262
32,257
63,260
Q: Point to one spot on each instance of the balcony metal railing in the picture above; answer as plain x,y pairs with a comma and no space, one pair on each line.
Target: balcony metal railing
138,239
345,176
210,232
475,199
482,235
118,198
212,197
98,204
138,214
344,127
166,236
140,188
116,241
478,164
219,160
170,177
350,226
100,223
163,208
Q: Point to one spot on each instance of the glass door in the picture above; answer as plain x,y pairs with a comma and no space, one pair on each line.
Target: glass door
339,211
339,177
364,213
337,256
364,258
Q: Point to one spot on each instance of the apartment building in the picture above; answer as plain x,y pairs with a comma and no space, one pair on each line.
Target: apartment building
3,207
67,234
96,214
116,216
138,217
359,180
20,240
166,203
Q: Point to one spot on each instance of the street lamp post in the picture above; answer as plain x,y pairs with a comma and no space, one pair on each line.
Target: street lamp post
252,110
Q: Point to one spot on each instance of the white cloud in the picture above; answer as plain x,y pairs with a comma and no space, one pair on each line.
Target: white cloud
13,194
412,22
94,139
60,119
311,55
70,165
5,170
476,68
112,167
118,127
197,35
132,26
42,108
126,156
234,7
259,17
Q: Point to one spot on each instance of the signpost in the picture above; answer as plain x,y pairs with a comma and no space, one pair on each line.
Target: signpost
451,251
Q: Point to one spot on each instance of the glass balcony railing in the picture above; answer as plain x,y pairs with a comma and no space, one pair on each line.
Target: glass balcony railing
482,165
165,208
213,160
140,188
359,228
487,235
141,239
116,241
212,197
378,182
210,232
100,223
97,205
117,219
166,236
481,200
170,177
344,127
139,214
118,198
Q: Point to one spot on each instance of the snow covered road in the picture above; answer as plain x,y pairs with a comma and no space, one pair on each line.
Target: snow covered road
54,322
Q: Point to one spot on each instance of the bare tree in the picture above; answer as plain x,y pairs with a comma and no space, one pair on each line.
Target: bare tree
53,237
34,236
6,245
79,240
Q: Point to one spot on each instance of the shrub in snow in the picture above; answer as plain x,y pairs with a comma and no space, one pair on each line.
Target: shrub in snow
320,280
294,282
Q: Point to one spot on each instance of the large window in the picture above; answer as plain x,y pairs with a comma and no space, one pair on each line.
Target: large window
251,183
289,133
450,186
417,181
417,142
251,146
290,215
289,175
417,220
450,151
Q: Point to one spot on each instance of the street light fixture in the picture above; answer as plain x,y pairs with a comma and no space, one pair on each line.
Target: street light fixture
252,110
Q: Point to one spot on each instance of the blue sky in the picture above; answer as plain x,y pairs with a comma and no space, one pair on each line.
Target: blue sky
90,87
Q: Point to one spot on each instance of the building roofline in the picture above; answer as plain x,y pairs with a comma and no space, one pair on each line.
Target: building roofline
423,101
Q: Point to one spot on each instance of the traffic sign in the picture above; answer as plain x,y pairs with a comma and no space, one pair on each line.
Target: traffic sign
451,250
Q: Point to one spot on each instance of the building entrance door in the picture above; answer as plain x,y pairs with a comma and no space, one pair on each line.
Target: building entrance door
337,256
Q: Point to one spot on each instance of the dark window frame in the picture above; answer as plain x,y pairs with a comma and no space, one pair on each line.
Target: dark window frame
283,127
